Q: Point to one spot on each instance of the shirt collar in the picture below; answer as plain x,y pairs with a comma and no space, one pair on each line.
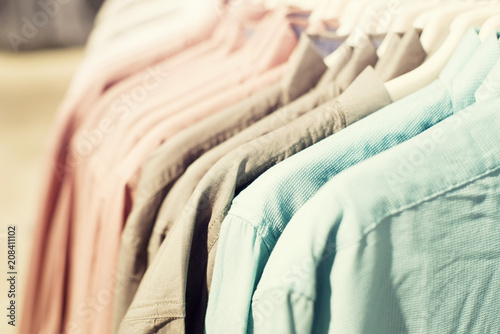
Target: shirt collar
407,55
393,42
490,88
410,42
364,54
375,96
473,73
336,63
326,42
306,69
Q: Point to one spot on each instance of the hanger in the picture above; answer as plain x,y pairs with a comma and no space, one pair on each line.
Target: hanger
376,18
437,26
326,10
429,70
403,21
302,4
350,15
411,11
371,14
372,19
335,8
421,19
491,25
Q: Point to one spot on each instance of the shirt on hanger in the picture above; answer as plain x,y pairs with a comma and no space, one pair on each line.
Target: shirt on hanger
180,193
50,237
406,241
141,239
171,159
387,128
217,185
146,41
349,63
390,43
202,63
119,115
240,250
82,225
264,51
118,185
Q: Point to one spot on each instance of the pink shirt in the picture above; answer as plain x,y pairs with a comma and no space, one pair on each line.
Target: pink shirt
85,226
119,193
47,289
162,73
234,71
118,185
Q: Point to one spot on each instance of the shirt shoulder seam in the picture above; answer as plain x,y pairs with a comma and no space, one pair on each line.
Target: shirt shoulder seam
246,222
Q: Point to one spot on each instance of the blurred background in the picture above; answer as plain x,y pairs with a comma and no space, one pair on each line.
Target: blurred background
41,45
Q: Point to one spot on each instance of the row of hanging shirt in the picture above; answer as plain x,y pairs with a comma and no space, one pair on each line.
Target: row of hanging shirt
254,167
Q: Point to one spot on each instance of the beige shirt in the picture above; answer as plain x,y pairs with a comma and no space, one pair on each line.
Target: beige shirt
170,161
185,260
182,245
211,199
350,63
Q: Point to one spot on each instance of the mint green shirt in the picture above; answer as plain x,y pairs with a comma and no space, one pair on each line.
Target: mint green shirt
261,212
405,242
